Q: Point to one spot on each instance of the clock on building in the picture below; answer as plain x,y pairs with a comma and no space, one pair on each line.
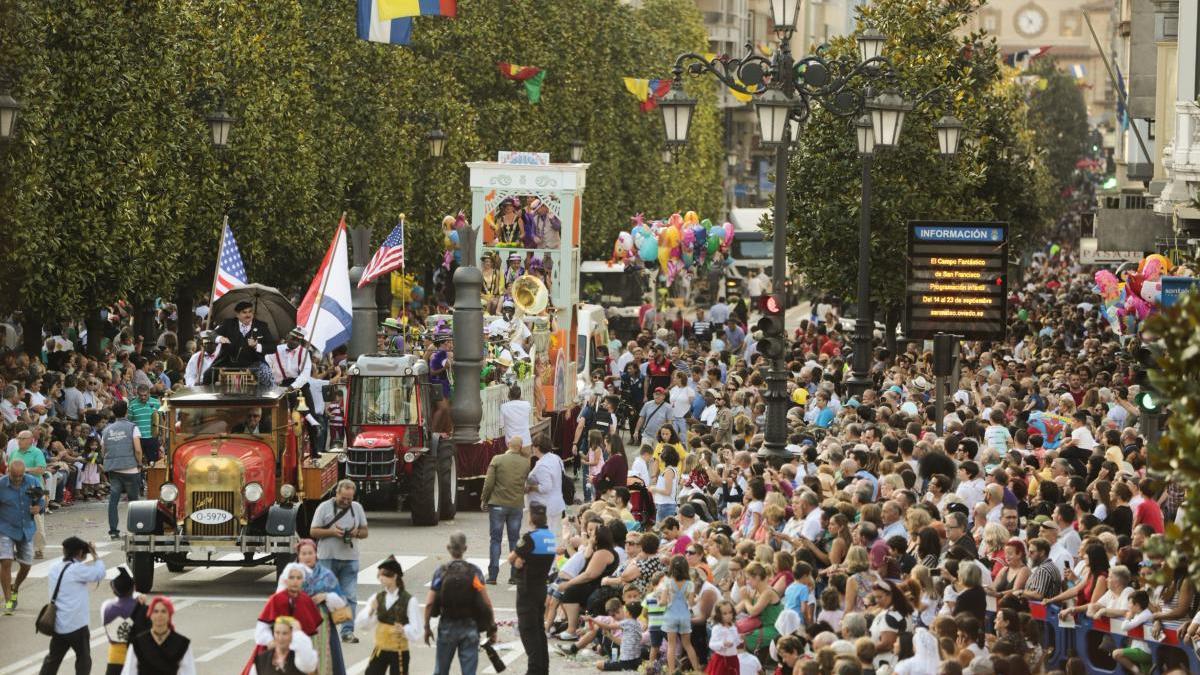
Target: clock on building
1030,20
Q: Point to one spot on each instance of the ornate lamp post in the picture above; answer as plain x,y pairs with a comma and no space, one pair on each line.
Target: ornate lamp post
786,91
576,152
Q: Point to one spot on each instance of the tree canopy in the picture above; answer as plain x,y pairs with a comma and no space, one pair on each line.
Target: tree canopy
998,173
113,190
1058,116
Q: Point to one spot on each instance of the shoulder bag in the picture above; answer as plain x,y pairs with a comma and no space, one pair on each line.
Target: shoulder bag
44,623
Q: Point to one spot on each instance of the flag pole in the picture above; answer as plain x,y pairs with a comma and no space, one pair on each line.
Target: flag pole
216,272
324,282
403,284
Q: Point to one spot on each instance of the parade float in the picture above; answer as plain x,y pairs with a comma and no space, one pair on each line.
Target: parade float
526,213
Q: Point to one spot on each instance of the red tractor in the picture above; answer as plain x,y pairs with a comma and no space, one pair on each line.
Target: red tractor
234,487
391,453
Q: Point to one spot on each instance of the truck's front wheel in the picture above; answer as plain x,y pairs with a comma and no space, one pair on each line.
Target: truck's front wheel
423,491
143,571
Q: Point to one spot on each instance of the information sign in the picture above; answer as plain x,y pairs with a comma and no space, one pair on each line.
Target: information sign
957,280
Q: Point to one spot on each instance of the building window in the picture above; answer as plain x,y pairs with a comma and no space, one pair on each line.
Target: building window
989,20
1070,24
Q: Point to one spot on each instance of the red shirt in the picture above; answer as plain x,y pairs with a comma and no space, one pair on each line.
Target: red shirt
1150,513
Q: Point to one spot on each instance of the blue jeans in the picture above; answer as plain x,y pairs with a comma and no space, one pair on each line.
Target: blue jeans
346,572
662,511
460,635
129,484
499,519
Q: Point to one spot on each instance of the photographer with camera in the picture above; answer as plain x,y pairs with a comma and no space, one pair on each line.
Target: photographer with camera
336,524
21,498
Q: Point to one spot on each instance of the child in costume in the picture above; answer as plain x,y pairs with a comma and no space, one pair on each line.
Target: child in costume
122,616
396,619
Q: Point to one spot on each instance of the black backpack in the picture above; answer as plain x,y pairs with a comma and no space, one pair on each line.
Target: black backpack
458,596
568,489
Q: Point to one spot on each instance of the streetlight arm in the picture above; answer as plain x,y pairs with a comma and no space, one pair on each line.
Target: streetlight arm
744,75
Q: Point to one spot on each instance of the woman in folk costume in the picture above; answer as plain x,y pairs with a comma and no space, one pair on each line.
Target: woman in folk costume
321,585
290,651
493,277
396,618
291,601
123,617
160,650
510,225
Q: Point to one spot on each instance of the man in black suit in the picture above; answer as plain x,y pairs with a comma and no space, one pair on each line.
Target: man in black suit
246,343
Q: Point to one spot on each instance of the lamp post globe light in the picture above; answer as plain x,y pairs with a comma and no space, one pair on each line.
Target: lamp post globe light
949,131
10,109
786,91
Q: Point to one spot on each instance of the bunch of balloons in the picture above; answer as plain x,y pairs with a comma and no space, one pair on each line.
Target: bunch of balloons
1130,295
681,243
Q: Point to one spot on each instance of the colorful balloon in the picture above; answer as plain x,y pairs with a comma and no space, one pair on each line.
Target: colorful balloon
625,241
648,249
728,234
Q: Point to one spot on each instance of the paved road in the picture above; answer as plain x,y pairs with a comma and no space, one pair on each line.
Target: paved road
217,606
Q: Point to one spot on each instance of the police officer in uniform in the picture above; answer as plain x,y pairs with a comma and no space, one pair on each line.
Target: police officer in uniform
532,560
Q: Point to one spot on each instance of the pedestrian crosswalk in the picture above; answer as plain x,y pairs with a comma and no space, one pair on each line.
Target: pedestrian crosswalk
113,558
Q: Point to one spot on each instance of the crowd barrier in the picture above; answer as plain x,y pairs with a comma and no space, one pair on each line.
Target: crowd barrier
1070,638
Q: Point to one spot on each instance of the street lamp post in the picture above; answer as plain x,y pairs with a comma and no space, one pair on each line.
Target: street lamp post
786,91
576,151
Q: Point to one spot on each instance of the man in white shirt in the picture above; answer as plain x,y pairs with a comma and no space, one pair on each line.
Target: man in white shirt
893,521
1081,435
544,484
71,606
970,485
1068,538
708,416
624,359
290,363
1058,553
514,417
810,505
202,360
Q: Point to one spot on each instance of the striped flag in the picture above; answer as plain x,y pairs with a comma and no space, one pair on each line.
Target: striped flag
391,21
388,258
373,27
394,9
325,313
647,92
231,273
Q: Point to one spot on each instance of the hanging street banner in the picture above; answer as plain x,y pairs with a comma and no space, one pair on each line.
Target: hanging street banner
957,280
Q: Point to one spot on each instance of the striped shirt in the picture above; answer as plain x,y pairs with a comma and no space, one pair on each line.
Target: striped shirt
142,414
1045,579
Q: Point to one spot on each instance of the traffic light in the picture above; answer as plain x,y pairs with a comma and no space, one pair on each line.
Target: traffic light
773,341
1148,398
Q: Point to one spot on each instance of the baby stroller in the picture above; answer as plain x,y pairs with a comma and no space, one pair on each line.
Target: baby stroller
641,505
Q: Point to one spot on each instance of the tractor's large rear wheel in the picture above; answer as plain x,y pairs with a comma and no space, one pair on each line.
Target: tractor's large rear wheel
423,491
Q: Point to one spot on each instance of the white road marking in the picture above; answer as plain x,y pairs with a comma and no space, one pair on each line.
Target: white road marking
367,576
510,652
233,641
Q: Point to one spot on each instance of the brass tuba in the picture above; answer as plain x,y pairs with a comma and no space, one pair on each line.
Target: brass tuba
529,294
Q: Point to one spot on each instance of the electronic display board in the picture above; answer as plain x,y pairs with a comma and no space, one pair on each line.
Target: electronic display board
957,280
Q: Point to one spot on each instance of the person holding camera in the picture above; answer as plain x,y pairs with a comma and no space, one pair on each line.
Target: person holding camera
337,523
21,498
67,583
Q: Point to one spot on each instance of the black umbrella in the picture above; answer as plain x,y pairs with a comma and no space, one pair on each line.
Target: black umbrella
270,307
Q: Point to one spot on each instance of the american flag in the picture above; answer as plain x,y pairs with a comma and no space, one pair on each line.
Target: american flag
389,257
231,273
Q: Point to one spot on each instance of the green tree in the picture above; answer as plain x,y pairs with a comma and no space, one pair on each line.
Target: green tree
997,174
1178,378
1058,117
113,190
